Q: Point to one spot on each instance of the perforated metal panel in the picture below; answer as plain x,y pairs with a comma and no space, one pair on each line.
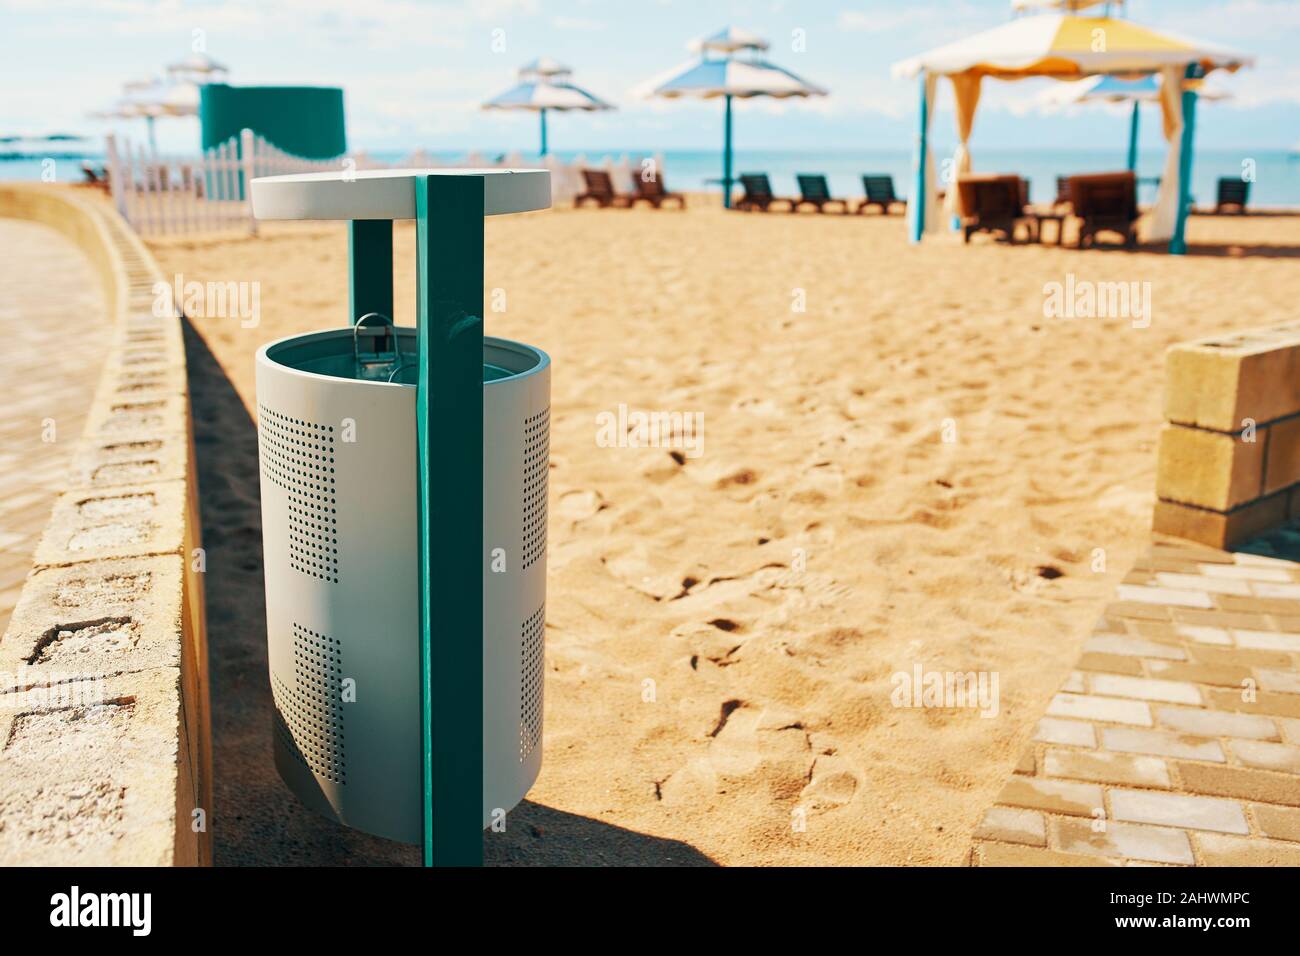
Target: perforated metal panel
537,443
298,457
532,654
342,585
310,709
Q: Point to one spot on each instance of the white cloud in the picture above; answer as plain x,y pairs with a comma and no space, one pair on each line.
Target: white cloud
577,24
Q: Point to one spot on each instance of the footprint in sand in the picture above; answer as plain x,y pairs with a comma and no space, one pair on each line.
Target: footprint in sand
751,736
579,505
756,406
833,783
717,642
724,476
824,478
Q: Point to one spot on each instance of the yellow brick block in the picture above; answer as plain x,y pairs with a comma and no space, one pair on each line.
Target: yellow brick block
1209,469
1218,382
1216,528
1283,461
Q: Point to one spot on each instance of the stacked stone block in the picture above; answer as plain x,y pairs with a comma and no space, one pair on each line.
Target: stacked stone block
1229,458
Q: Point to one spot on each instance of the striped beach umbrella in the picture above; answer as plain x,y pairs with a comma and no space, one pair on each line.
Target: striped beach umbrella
1117,89
198,68
720,72
152,100
543,86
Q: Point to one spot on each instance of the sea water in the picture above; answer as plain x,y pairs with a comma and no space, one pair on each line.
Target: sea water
1276,173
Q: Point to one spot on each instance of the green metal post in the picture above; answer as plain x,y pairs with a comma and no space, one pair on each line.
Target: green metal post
543,112
1133,137
449,254
916,205
1178,242
726,158
370,268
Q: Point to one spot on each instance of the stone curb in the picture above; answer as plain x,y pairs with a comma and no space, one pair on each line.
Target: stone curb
105,740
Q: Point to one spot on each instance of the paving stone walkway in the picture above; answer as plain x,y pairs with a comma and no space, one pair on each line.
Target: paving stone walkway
1176,740
54,334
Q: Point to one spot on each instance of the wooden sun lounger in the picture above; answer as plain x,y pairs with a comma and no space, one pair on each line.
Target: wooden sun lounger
815,191
879,190
1233,194
1105,202
758,193
995,204
653,192
600,190
96,177
1062,191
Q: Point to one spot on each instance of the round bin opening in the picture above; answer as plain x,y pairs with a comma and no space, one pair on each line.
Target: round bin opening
334,354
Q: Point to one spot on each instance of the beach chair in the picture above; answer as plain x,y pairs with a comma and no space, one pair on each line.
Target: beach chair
1062,192
600,190
1233,193
879,190
815,191
95,177
758,193
1105,202
653,192
994,204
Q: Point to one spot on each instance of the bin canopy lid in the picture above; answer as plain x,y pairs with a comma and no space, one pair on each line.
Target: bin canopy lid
389,193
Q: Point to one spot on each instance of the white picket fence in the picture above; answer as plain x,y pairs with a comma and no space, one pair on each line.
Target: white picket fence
173,195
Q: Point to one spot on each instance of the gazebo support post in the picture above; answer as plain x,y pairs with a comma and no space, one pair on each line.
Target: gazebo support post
1178,242
370,268
543,112
726,156
1133,137
449,414
916,207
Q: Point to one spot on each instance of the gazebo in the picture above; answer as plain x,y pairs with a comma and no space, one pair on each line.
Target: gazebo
1066,46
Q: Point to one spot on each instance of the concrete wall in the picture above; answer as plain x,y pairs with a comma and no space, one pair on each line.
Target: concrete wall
1229,459
105,743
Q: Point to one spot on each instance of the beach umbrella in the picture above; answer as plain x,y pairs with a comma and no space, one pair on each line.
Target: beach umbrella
728,66
544,85
1069,47
198,68
1117,89
151,100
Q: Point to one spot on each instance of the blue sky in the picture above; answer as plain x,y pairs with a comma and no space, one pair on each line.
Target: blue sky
415,72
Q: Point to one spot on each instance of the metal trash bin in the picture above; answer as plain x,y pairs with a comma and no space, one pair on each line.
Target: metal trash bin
338,479
386,550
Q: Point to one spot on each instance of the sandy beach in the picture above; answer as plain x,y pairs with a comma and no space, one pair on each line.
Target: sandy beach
905,463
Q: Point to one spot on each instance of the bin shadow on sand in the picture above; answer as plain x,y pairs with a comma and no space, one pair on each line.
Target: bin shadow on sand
256,820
